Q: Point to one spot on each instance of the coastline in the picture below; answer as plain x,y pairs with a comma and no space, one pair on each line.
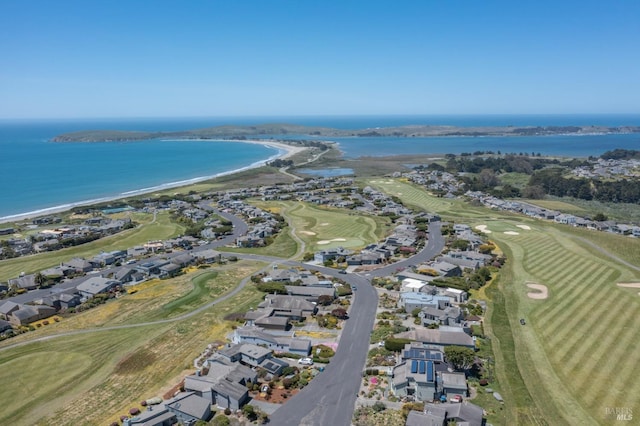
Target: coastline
284,151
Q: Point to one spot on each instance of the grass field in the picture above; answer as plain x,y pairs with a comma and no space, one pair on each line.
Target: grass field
322,227
162,228
93,378
573,360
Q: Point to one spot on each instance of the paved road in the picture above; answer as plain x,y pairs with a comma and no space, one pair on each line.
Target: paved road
330,397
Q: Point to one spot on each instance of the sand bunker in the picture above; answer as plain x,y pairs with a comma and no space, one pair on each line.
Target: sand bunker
483,229
630,285
511,233
323,242
324,224
541,293
525,227
307,233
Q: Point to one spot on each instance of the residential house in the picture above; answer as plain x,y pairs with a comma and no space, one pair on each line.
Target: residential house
330,254
311,294
189,407
454,384
415,378
439,339
169,270
412,300
208,256
246,353
7,308
153,416
26,282
152,266
451,315
294,307
80,265
224,384
27,314
418,351
257,336
96,285
443,414
446,269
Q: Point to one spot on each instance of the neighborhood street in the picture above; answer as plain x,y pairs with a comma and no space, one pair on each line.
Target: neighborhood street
330,398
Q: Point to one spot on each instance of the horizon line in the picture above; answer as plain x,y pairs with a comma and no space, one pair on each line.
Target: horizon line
164,117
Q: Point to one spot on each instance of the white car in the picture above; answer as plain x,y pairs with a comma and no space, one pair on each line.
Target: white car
305,361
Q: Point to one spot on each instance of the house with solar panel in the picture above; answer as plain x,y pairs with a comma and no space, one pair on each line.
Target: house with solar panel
415,378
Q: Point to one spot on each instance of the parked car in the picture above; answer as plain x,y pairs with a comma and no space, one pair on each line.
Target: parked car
354,288
305,361
342,271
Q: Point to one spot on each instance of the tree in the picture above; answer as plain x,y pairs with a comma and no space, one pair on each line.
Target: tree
534,192
249,412
460,245
40,280
489,178
339,313
220,421
462,358
395,345
325,300
600,217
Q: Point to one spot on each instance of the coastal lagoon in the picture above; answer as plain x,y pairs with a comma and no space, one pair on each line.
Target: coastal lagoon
38,174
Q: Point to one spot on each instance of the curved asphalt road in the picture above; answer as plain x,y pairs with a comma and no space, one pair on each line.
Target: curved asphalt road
329,399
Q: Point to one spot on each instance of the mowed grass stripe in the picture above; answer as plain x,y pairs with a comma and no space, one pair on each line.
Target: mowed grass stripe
563,316
562,291
574,294
629,380
604,346
553,268
591,320
537,249
613,378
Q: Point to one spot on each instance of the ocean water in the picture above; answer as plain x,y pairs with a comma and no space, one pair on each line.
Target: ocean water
37,174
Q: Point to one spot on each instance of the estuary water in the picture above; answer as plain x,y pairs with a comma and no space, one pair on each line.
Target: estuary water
37,174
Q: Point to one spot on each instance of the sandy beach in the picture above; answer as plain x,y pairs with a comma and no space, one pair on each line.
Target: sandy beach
285,151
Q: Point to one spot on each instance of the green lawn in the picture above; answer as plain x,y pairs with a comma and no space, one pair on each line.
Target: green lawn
162,228
93,378
322,227
573,358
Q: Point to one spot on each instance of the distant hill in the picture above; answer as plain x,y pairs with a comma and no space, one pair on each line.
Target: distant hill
240,132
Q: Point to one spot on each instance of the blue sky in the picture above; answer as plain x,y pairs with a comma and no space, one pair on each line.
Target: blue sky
67,59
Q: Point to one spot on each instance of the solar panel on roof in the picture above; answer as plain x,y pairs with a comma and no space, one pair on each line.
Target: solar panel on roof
421,367
429,371
414,366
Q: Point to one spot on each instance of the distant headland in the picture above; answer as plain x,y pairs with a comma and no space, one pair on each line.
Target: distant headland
264,130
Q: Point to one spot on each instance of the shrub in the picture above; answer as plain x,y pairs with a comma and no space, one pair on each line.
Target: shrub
483,382
227,411
45,322
395,345
134,411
